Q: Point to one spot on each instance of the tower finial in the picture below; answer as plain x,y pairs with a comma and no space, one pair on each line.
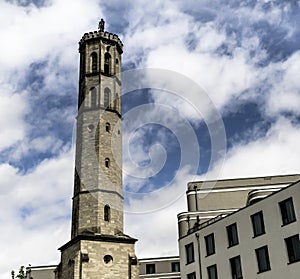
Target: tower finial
101,25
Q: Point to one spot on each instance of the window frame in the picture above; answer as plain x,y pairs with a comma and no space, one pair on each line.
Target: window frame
215,272
210,244
256,231
191,275
233,239
293,252
288,214
174,265
233,266
149,269
189,259
262,254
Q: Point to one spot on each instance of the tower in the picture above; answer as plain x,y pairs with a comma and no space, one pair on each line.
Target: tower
98,248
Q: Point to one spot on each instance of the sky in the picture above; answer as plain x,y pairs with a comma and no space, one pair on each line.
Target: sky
242,58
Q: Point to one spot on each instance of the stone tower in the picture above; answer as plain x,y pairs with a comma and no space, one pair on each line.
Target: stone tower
98,248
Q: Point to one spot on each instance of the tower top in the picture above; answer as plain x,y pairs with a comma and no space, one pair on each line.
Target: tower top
102,35
101,25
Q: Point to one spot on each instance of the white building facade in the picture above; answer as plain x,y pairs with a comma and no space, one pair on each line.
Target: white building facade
260,240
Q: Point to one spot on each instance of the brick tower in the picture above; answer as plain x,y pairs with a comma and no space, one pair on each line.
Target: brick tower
98,248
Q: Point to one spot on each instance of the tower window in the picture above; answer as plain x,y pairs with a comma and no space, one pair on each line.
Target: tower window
107,213
107,63
107,127
93,93
106,97
94,62
107,162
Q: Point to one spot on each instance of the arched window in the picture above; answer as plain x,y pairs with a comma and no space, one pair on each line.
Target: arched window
93,93
106,97
107,63
117,66
107,213
107,127
107,162
94,62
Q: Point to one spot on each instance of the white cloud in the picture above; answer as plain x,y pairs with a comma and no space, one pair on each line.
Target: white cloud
35,210
13,107
285,93
273,154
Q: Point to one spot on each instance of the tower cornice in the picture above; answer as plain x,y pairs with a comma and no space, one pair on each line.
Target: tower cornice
104,37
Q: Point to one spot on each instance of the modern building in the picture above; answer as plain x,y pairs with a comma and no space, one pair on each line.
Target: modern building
98,247
162,267
260,240
207,200
41,272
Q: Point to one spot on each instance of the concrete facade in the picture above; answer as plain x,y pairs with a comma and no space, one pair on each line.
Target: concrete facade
98,247
207,200
271,239
161,267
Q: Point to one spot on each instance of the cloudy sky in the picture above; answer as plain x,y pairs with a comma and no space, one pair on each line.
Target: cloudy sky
242,55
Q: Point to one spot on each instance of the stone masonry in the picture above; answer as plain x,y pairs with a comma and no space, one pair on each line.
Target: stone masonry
98,248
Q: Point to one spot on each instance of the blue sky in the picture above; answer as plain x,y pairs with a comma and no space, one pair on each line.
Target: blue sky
245,57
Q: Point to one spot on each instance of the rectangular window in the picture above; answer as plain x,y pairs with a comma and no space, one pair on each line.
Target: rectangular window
258,223
263,261
212,272
236,267
232,235
191,275
293,248
210,244
287,211
189,250
175,267
150,268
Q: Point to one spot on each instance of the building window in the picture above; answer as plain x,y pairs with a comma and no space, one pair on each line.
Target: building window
258,224
236,267
189,250
210,244
107,162
263,260
107,127
293,248
94,62
191,275
93,93
107,213
287,211
175,267
107,63
106,97
232,235
150,268
212,272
